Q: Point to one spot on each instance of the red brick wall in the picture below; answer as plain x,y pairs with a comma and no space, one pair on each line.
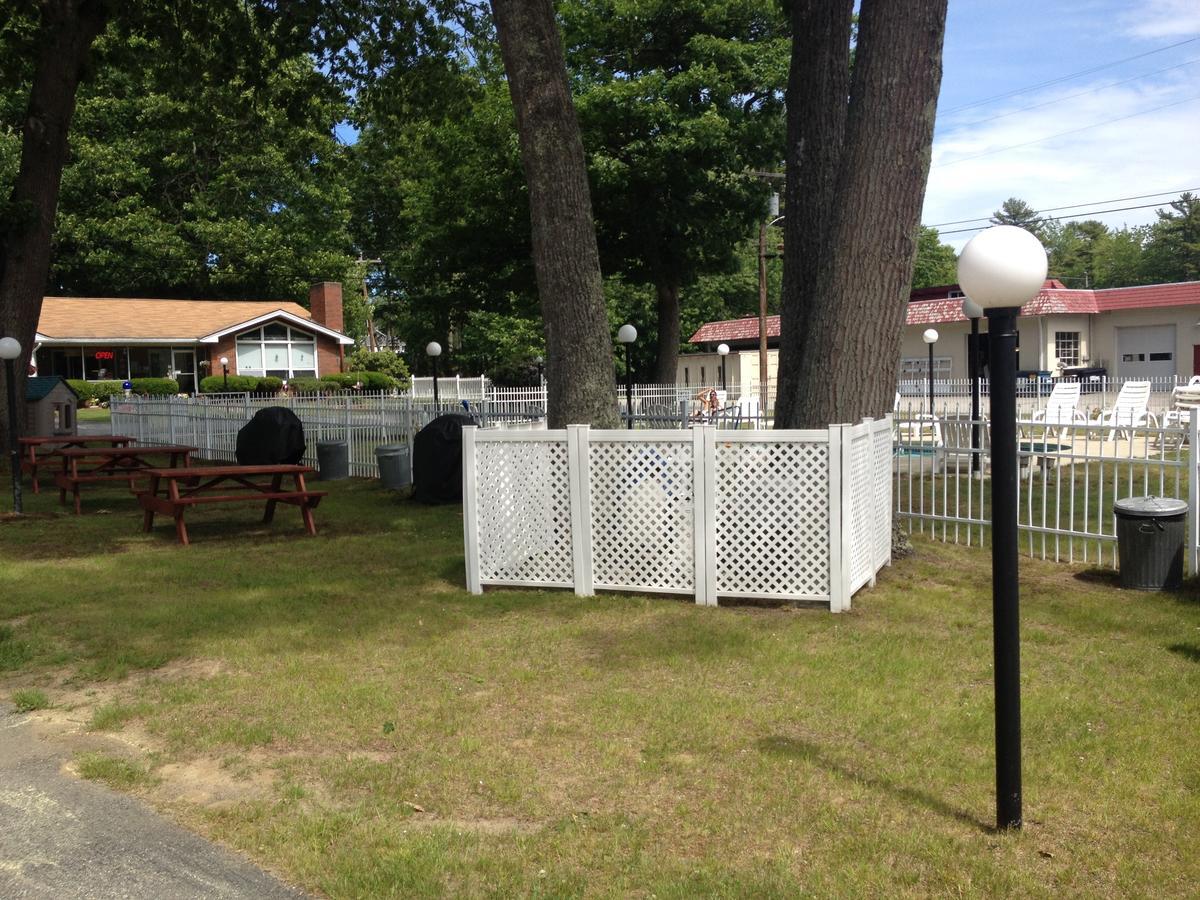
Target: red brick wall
325,304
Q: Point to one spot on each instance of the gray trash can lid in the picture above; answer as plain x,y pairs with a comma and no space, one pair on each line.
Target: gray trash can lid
390,449
1149,507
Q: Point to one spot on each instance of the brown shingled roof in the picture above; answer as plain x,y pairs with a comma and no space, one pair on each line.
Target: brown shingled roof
113,318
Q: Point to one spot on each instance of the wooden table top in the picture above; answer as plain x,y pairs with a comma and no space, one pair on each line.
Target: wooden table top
139,450
224,471
40,440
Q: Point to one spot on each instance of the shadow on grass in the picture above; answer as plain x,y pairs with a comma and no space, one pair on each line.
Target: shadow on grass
1187,651
778,745
1101,576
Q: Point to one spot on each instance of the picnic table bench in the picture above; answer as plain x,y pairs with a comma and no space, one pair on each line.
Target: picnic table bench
31,459
185,487
85,465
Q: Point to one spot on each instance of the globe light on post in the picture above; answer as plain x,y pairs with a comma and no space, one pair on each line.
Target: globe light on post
10,352
1000,270
433,350
723,351
225,372
626,335
973,312
930,338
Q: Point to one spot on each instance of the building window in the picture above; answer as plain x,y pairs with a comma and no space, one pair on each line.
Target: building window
277,350
104,364
149,362
916,367
1066,347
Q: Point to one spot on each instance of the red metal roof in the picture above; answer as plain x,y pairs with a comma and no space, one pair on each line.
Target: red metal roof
1054,299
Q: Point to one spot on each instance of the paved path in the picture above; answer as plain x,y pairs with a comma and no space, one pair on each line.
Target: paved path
62,838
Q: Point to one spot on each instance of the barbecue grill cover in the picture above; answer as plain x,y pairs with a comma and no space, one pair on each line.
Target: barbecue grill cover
274,436
437,460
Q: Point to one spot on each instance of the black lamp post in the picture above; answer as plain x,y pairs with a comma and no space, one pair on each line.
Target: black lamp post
225,372
626,335
973,312
433,349
1001,269
723,351
10,351
930,337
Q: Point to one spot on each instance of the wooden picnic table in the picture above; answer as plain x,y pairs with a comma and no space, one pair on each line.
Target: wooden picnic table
84,465
184,487
31,458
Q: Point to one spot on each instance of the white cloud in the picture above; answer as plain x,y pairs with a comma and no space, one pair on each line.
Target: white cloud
1163,19
1147,151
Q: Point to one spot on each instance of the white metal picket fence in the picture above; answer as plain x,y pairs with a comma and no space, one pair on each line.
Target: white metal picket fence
211,422
1069,478
1095,393
781,515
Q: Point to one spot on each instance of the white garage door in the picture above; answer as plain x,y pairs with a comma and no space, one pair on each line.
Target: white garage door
1146,351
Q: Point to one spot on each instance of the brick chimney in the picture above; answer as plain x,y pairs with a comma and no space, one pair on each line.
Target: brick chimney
325,303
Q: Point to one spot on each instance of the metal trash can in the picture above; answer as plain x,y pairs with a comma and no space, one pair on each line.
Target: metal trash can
395,465
1150,538
333,460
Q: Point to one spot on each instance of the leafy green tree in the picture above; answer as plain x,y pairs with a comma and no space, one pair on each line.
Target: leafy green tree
936,262
1173,250
679,102
1015,211
215,188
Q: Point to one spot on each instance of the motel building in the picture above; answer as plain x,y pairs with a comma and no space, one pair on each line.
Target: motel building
114,339
1148,332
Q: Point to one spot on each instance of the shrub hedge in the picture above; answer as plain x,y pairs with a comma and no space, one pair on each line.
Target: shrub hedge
370,381
100,391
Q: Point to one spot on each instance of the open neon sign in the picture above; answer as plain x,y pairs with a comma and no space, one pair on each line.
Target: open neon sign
104,354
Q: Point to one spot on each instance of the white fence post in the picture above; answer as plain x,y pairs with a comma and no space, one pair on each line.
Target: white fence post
838,580
579,479
1194,489
704,513
470,511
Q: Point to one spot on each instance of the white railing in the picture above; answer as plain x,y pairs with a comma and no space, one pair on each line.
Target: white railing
452,387
1095,393
1069,477
781,515
211,424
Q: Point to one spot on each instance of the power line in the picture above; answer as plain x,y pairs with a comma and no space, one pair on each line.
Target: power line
1051,137
1079,74
1079,205
1059,219
1074,96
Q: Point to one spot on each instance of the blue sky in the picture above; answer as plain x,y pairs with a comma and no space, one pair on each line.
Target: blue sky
994,47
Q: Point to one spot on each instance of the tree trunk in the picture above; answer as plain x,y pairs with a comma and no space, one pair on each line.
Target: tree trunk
579,362
65,35
840,365
666,359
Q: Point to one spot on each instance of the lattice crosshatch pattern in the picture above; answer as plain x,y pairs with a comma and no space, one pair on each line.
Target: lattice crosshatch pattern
524,512
800,515
642,514
772,519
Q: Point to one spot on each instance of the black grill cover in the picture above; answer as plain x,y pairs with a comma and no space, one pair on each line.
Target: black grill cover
437,460
274,436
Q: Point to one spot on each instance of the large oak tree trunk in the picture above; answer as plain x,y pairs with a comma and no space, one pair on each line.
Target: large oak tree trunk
579,362
666,359
850,285
65,35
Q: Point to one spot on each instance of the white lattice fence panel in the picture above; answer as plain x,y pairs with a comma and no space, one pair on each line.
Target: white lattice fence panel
524,510
882,478
642,514
772,528
859,479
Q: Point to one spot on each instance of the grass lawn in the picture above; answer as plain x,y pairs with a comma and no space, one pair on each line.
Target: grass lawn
93,414
340,709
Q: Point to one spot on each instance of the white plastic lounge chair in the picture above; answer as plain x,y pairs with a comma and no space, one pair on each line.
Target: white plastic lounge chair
1185,399
1131,410
1062,408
